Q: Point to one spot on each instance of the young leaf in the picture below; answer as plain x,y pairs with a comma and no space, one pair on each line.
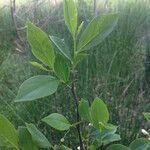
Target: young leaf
147,116
25,139
61,68
84,110
37,136
37,65
99,112
70,15
60,44
41,45
117,147
140,144
8,134
80,28
97,30
57,121
37,87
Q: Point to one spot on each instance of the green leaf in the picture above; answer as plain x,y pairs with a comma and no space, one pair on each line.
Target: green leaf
8,134
25,139
111,138
70,15
41,45
37,65
147,116
84,110
117,147
61,68
79,57
92,147
37,87
140,144
62,147
80,28
60,44
99,112
57,121
37,136
97,30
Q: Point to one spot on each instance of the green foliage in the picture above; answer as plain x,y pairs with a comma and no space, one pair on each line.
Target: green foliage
57,121
97,30
99,112
84,110
25,139
100,133
70,15
147,116
140,144
117,147
8,134
37,87
61,46
39,139
40,44
61,68
38,65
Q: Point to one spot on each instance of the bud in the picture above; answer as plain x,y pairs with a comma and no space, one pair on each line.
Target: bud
62,140
78,148
145,132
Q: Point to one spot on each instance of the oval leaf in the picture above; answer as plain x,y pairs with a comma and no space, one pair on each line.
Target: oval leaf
37,87
25,139
41,45
57,121
38,137
97,30
60,44
99,112
61,68
70,15
84,110
8,134
118,147
140,144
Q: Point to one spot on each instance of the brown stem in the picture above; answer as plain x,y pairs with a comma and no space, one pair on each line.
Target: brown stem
73,90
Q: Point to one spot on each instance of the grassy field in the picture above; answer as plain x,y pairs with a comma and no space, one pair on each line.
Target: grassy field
117,70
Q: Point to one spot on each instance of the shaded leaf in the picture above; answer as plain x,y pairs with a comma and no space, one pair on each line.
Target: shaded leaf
147,116
25,139
57,121
140,144
79,57
38,137
84,110
41,45
37,87
117,147
61,68
99,112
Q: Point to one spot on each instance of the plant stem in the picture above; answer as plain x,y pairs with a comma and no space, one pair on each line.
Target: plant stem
73,89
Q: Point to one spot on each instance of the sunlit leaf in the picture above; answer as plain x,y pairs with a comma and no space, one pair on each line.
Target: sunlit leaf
41,45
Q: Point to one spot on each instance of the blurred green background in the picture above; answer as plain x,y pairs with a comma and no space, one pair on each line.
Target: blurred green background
117,70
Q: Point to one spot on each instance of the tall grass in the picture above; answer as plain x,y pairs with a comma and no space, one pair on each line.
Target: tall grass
117,70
